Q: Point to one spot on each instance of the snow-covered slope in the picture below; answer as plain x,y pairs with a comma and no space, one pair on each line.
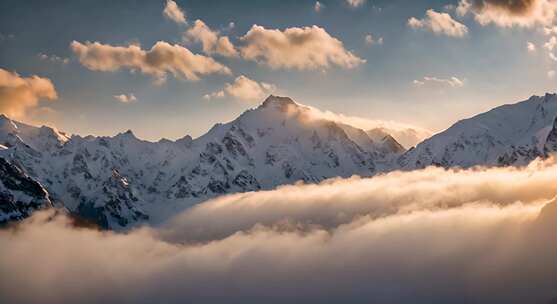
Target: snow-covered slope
121,181
513,134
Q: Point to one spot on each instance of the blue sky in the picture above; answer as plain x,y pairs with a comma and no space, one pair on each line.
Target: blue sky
491,61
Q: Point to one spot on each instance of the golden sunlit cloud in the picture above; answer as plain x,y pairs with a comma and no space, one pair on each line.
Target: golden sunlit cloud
244,89
210,40
173,12
306,48
161,59
505,13
20,95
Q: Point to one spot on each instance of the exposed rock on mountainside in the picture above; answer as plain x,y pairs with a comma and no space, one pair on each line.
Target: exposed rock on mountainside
20,195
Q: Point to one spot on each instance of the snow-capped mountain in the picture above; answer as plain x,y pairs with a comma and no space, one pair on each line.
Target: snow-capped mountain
121,181
512,134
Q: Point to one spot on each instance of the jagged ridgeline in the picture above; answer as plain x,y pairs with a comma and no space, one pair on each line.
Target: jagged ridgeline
122,181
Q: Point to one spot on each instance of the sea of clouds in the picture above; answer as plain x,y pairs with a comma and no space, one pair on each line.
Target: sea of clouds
483,235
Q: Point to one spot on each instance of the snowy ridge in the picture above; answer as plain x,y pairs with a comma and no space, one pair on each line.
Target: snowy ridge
512,134
122,181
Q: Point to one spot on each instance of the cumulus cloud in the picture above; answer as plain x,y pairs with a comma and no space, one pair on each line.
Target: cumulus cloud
210,40
355,3
244,89
452,82
439,23
429,236
21,95
505,13
123,98
370,40
173,12
305,48
161,59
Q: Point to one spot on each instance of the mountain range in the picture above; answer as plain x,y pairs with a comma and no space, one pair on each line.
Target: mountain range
121,181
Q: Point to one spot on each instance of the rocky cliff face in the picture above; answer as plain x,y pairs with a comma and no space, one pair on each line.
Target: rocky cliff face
20,194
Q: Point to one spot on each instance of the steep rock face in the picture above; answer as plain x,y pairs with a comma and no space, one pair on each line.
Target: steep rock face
507,135
20,195
123,181
550,146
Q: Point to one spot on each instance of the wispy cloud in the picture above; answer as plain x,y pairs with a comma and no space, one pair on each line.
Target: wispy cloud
452,82
53,58
406,134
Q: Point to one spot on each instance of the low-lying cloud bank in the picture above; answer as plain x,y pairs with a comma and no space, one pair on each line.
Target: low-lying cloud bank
428,236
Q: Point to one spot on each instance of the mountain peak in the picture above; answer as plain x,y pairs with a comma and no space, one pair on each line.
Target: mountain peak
127,134
278,102
3,117
549,96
